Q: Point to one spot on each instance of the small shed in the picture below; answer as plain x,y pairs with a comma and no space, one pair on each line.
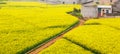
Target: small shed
90,9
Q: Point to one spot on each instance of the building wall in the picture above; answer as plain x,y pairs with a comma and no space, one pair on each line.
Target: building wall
89,11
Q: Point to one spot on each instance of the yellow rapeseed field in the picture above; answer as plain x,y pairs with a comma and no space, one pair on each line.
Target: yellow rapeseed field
64,46
98,36
24,25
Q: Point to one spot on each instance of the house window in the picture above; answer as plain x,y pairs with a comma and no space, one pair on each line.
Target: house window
110,0
107,11
73,2
63,2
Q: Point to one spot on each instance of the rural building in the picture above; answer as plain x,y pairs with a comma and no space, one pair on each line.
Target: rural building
97,8
103,10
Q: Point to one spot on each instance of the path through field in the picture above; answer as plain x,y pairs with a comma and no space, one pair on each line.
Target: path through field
49,43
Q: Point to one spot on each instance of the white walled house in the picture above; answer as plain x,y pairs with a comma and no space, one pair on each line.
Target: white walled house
103,10
92,10
88,10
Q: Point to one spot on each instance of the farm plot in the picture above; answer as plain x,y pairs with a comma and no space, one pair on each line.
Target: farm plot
23,27
113,22
97,36
64,46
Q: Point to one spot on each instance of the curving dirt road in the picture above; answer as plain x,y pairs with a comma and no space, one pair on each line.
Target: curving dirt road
49,43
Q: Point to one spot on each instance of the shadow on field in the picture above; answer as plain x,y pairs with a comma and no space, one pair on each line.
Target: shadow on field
57,26
27,50
95,23
94,51
115,27
92,23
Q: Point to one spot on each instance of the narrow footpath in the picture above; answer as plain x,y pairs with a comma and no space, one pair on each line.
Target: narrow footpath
49,43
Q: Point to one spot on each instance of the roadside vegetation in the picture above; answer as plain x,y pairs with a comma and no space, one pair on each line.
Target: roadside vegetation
76,13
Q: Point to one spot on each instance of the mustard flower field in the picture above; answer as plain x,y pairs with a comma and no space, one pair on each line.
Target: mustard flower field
98,36
64,46
24,25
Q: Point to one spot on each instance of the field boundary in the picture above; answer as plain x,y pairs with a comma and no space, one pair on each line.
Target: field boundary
94,51
39,48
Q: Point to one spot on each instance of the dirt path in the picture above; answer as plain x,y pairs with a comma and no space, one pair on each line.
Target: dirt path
49,43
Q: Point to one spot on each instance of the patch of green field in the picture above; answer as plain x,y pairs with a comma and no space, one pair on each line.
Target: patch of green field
23,27
98,35
64,46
